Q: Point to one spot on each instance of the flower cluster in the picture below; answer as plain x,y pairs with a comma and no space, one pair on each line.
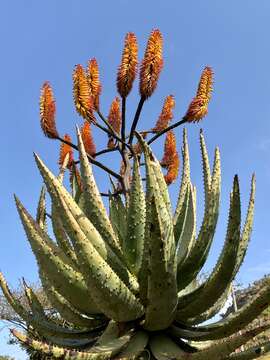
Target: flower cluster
198,107
86,94
47,112
170,159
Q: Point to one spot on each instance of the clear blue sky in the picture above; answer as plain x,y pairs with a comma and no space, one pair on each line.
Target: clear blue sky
43,40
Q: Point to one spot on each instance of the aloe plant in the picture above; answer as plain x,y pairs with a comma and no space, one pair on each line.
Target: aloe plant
124,285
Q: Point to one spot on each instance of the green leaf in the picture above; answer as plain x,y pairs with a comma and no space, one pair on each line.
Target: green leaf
234,322
60,234
207,178
67,311
94,207
155,204
253,352
246,232
212,311
43,325
41,209
222,349
164,348
185,177
162,290
57,267
135,346
118,216
187,271
33,301
72,216
210,291
111,294
133,244
187,236
102,352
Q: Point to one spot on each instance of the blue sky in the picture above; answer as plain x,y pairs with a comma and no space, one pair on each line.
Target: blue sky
43,40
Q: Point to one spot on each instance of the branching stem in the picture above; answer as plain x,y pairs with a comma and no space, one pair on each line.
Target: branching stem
93,161
136,119
155,137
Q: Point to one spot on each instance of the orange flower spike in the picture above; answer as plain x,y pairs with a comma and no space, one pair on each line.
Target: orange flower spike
82,98
94,81
64,150
87,138
128,68
166,114
197,110
114,117
173,170
47,112
152,64
198,107
205,86
169,149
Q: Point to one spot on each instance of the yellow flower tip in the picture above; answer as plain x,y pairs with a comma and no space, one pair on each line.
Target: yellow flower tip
82,97
173,170
114,117
152,64
205,86
198,107
169,149
128,67
47,111
94,81
197,110
87,138
66,149
166,114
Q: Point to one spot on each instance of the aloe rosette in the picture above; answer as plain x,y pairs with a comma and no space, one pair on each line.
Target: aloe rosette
124,285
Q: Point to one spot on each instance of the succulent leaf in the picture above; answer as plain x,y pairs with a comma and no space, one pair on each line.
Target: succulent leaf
67,311
185,177
73,217
207,178
94,206
134,241
198,255
222,349
211,290
162,290
43,325
41,209
118,216
60,234
155,202
253,352
57,267
101,352
187,236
